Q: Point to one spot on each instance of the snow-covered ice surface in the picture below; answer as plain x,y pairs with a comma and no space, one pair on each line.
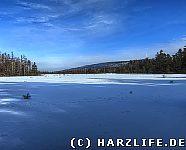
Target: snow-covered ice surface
94,106
91,78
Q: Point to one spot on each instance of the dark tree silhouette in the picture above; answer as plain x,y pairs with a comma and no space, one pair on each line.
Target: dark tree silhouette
15,66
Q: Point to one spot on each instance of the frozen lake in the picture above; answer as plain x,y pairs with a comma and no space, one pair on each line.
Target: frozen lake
94,106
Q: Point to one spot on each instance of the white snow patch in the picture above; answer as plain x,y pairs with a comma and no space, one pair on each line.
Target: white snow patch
5,101
91,78
5,82
4,93
11,112
2,90
9,99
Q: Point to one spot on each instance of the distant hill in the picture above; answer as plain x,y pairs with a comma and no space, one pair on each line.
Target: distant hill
102,65
96,67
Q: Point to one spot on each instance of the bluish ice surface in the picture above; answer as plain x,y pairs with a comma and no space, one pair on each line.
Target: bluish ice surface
57,112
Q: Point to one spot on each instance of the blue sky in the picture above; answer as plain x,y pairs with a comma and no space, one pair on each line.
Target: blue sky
61,34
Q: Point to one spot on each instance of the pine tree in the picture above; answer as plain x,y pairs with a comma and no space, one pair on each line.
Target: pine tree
14,66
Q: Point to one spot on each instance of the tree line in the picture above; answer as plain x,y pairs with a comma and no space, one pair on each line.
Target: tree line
160,64
16,66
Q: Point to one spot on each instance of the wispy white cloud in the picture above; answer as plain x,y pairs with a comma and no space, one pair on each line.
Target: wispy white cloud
42,20
29,5
96,17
